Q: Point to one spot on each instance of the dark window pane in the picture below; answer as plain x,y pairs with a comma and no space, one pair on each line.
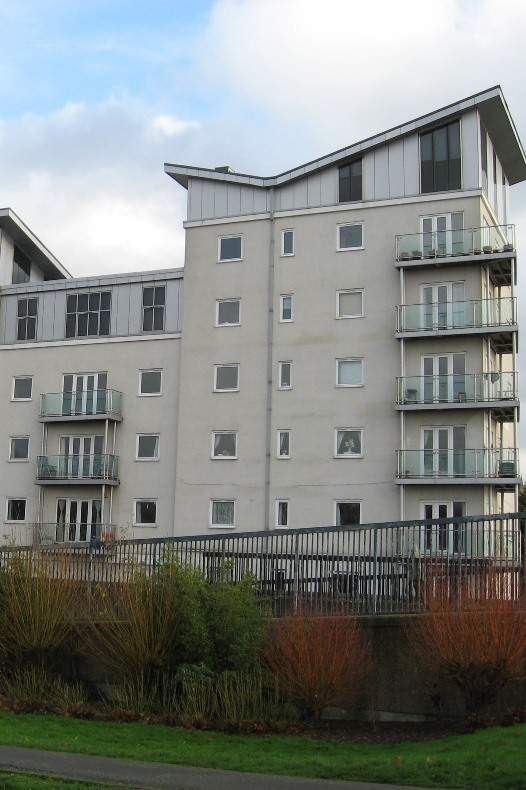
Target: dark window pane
82,302
82,325
348,514
21,267
158,322
23,388
16,510
228,312
350,236
350,182
93,323
72,304
230,248
21,329
105,300
147,296
226,377
159,295
147,321
440,159
344,184
104,325
22,308
94,301
150,382
71,320
146,512
31,330
32,306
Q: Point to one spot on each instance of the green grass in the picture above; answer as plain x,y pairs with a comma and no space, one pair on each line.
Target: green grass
492,759
10,781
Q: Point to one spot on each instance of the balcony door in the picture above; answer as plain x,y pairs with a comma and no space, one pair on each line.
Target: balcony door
82,456
444,378
78,519
444,453
84,393
447,538
442,234
443,305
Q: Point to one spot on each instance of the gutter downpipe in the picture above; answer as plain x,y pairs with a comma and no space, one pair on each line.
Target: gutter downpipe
270,340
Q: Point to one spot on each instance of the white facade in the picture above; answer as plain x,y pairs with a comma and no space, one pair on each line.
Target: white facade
346,353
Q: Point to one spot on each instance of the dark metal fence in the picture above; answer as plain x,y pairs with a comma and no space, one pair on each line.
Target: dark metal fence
394,567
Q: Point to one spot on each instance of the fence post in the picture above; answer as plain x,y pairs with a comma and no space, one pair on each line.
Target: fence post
296,572
375,568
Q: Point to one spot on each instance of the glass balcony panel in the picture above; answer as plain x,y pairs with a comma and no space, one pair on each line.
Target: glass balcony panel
470,464
458,388
46,534
455,241
82,467
81,403
456,315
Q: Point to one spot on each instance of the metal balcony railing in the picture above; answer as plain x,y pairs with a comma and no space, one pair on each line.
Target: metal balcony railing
73,532
449,463
452,243
95,466
103,402
458,388
472,314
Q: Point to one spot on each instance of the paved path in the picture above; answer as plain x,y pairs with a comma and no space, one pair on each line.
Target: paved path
160,775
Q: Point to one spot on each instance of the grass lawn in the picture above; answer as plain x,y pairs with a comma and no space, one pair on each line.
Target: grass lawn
493,759
10,781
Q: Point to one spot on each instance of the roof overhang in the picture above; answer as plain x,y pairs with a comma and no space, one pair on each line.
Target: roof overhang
31,245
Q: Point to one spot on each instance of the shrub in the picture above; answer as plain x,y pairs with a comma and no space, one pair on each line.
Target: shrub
317,661
35,688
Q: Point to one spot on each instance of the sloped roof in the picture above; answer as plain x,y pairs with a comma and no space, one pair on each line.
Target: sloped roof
31,245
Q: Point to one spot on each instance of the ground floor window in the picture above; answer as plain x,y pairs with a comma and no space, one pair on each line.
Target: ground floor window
222,513
348,513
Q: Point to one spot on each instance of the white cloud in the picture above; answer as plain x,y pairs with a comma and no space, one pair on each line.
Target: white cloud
169,126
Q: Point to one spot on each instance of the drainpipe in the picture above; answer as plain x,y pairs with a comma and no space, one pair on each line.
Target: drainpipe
270,340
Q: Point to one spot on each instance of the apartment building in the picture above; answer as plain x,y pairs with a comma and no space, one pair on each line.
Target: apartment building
346,353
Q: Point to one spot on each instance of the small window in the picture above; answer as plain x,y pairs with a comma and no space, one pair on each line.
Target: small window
145,513
287,242
226,378
349,443
285,375
150,382
224,444
285,307
21,267
283,444
222,513
349,372
16,509
348,514
350,186
230,248
19,448
22,388
147,446
88,314
350,237
27,309
227,312
153,306
349,304
282,513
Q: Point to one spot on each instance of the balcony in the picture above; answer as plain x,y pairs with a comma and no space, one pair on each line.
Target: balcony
498,467
103,404
74,469
495,390
50,534
492,245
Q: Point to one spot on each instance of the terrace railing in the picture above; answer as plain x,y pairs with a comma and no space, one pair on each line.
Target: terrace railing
493,240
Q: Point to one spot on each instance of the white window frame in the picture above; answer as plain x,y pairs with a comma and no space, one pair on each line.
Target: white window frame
279,503
15,520
222,526
348,359
340,225
224,457
142,523
338,502
21,378
150,394
18,460
282,298
230,236
147,457
339,314
280,433
226,365
227,323
347,455
281,365
283,253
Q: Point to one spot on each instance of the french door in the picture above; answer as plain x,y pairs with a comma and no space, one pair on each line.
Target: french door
84,393
442,234
444,377
448,538
444,453
78,519
443,305
82,456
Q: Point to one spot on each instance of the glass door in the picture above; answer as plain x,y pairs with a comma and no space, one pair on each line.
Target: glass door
443,305
82,456
442,234
448,538
444,378
444,453
78,519
84,393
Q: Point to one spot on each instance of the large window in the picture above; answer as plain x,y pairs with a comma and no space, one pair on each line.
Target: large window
145,513
440,161
150,382
22,388
88,314
350,236
350,182
224,444
348,513
230,248
153,304
226,378
19,448
349,443
222,513
228,312
349,372
26,328
15,509
21,267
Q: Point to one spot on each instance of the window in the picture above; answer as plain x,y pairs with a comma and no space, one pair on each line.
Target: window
147,446
150,382
350,182
282,512
21,267
349,304
287,242
26,328
224,444
88,314
15,509
348,514
22,388
230,248
19,448
450,538
440,158
349,443
350,236
484,158
226,378
222,513
285,307
145,513
283,444
227,312
153,304
349,372
284,375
